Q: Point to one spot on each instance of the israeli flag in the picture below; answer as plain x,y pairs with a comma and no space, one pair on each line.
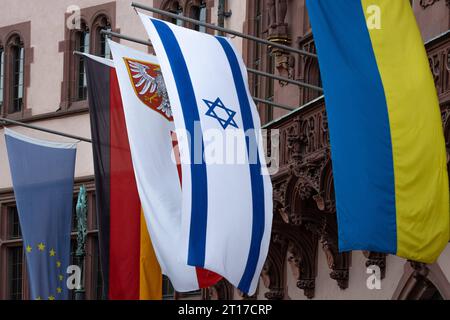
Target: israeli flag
226,189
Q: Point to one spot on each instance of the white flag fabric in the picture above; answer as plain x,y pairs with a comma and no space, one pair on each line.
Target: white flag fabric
227,206
149,125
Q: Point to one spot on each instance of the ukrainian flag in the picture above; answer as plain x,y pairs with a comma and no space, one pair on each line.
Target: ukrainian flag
387,142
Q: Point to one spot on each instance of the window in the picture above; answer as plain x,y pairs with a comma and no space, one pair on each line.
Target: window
15,263
202,17
270,87
14,231
260,58
105,51
87,39
198,13
97,282
102,48
168,291
73,260
12,252
175,7
17,74
82,45
195,9
2,75
16,57
13,276
257,46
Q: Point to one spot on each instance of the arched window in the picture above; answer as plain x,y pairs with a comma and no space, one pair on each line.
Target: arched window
174,7
101,46
198,12
16,74
2,74
87,38
82,44
312,76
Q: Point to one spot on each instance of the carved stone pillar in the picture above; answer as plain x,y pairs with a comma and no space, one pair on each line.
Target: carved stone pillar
273,273
278,33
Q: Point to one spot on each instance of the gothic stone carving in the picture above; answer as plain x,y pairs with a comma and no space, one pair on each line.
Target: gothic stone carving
427,3
304,208
439,59
223,290
277,10
376,259
273,274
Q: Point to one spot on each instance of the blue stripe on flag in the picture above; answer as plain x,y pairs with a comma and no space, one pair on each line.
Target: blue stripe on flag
255,169
199,203
363,167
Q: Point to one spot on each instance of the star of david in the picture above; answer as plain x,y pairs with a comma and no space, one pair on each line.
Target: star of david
217,110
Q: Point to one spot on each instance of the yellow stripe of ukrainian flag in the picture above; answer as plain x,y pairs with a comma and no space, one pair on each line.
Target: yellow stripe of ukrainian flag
419,156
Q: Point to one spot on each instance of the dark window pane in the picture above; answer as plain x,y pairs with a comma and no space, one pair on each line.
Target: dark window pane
2,75
257,48
192,293
73,260
105,51
83,46
202,17
15,263
195,14
167,290
14,231
199,13
18,55
96,272
74,214
94,212
178,11
270,87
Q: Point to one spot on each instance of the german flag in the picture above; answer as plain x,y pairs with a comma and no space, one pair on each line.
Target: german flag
129,266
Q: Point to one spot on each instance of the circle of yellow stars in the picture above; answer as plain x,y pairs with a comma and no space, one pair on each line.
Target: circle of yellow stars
52,253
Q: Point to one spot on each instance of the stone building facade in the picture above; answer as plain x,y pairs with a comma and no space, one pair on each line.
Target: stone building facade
43,83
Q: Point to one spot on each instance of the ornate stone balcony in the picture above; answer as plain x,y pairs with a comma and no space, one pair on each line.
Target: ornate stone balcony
304,204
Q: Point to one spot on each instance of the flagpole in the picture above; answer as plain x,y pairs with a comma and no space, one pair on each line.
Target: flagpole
254,71
222,29
267,102
4,121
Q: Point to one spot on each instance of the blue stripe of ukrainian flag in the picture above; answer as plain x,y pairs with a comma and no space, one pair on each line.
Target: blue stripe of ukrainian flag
388,149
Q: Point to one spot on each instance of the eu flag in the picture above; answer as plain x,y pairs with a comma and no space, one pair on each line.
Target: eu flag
42,173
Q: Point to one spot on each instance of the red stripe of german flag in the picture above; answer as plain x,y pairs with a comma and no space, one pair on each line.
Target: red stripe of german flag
129,265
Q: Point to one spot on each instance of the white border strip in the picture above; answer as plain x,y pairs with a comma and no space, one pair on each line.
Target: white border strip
44,143
107,62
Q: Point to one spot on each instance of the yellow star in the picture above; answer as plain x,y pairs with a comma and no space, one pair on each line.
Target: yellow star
38,298
41,246
29,248
51,298
52,253
60,277
58,264
59,290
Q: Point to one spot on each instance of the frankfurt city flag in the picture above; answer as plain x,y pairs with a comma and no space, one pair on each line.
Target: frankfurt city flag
130,269
390,170
226,202
149,125
42,176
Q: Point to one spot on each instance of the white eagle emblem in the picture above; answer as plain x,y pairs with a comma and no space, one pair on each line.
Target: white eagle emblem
146,84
